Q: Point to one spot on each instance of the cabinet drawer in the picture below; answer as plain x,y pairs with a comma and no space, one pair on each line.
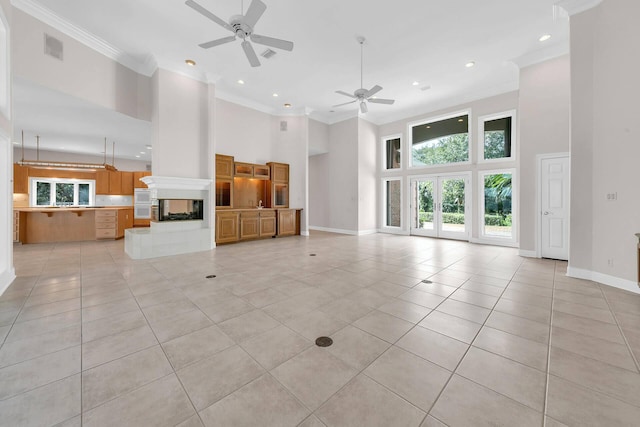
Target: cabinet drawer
106,233
105,220
15,236
267,214
249,214
106,225
106,214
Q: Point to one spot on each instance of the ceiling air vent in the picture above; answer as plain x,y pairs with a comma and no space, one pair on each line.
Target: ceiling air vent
268,53
53,47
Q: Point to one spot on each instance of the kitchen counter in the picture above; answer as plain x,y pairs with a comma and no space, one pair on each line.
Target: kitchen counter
72,224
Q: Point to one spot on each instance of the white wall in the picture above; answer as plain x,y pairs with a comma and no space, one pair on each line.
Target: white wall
604,143
243,133
83,73
318,137
319,194
180,123
544,108
7,272
368,207
61,156
343,176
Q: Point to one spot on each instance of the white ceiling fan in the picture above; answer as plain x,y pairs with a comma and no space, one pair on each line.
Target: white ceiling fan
242,26
363,94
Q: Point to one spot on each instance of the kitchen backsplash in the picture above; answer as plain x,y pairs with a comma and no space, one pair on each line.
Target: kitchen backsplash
114,200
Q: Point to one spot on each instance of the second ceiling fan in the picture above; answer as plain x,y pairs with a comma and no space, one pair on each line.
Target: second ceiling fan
242,26
363,95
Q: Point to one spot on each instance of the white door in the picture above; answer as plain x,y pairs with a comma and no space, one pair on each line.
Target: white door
554,207
439,206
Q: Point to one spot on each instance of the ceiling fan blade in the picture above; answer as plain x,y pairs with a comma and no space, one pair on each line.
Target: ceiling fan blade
363,107
270,41
217,42
255,11
373,91
345,103
195,6
251,54
345,94
381,101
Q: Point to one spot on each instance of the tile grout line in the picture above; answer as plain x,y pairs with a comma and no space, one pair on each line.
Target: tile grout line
548,373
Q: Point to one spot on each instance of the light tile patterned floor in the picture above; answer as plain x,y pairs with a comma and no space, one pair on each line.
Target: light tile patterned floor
91,337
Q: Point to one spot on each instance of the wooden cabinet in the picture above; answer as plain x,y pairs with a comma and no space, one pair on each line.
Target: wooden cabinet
136,179
224,193
249,225
261,172
287,224
20,179
267,223
224,166
227,227
249,170
111,223
127,183
115,183
102,182
279,172
16,226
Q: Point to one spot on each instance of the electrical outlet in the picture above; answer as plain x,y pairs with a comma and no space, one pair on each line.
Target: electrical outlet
612,196
610,262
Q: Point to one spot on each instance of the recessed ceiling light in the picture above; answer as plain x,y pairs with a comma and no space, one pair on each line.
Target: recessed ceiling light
415,83
148,147
190,62
287,105
461,120
142,152
470,64
545,37
428,127
16,142
275,95
137,156
240,82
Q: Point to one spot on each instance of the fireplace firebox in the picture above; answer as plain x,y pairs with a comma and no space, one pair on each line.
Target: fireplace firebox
178,210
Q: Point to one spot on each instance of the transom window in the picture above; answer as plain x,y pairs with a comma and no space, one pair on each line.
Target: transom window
497,137
440,142
62,192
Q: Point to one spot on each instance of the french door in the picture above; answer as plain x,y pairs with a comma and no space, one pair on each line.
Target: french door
440,206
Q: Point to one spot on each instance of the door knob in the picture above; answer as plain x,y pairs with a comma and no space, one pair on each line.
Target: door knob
547,213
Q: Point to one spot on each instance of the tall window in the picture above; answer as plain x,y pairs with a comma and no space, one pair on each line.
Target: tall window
498,137
62,192
392,152
497,204
440,142
392,188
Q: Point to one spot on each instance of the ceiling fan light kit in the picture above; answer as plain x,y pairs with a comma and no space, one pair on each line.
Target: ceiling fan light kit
242,27
363,95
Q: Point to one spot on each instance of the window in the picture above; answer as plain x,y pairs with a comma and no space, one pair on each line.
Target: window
497,204
62,192
392,188
392,152
498,137
440,142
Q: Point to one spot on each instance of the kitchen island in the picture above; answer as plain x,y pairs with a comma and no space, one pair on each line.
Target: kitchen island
71,224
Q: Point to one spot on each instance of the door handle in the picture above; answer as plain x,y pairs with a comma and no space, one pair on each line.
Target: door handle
548,213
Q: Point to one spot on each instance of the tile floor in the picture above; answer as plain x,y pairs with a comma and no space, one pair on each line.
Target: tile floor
90,337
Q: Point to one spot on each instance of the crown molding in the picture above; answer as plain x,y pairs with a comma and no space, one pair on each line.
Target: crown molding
541,55
50,18
236,99
574,7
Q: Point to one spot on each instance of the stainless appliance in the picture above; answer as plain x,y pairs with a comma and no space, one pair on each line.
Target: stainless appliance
142,203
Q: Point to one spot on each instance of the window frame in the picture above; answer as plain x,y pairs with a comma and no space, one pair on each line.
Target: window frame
33,187
409,149
496,116
383,143
383,225
493,239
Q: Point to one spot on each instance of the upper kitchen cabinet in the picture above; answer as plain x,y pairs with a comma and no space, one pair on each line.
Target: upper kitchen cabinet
279,172
102,182
127,183
20,179
115,183
224,166
136,179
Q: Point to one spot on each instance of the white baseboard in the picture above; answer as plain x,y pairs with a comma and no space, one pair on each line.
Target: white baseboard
393,231
528,254
6,278
616,282
493,242
341,231
304,233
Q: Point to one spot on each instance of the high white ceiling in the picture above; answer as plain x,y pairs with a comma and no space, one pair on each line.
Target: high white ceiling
427,41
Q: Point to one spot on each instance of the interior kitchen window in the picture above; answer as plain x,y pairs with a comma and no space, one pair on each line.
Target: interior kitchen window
498,137
392,202
393,153
62,192
440,142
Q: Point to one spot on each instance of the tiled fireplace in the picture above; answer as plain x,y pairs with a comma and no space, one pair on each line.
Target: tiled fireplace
182,223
